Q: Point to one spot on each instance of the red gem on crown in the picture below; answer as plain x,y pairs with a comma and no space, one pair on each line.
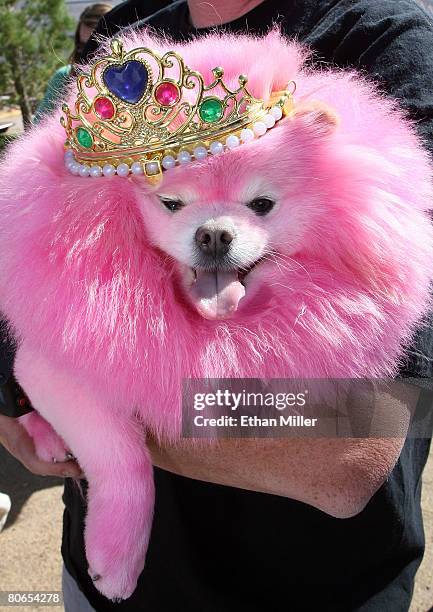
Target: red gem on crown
104,108
167,93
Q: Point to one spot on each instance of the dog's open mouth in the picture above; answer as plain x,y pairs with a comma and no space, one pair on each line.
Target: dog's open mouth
217,293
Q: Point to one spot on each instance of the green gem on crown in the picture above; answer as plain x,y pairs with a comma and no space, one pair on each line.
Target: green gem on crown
84,137
211,110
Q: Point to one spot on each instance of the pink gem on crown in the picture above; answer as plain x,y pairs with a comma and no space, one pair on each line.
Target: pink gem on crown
167,93
104,108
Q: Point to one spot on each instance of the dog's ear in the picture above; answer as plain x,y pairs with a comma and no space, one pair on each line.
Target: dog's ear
316,116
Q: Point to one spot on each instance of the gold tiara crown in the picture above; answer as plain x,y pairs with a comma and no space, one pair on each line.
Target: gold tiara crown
141,113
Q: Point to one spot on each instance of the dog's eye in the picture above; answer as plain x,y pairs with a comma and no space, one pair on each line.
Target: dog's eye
172,205
261,206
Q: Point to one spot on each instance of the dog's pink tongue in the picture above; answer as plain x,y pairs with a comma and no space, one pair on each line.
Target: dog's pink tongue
216,295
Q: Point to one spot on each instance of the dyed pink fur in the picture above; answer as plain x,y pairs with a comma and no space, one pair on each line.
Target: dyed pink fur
92,275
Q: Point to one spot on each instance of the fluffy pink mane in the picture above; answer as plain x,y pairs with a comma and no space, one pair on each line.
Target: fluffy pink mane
81,281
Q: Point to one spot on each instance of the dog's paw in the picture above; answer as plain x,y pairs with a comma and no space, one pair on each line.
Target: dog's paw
113,572
116,537
49,446
115,562
115,584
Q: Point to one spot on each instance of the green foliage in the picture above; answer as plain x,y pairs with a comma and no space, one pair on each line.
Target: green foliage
34,41
5,140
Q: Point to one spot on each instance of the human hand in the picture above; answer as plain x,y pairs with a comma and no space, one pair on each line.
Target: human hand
18,442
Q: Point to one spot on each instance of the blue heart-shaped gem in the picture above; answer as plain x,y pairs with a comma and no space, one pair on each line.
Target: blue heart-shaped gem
127,81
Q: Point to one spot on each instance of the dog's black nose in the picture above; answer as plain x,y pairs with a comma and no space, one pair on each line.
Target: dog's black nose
214,242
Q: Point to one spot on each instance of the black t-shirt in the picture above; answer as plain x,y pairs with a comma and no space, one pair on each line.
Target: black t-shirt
222,549
120,17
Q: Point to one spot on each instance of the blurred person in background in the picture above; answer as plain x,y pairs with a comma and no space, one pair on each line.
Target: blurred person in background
87,23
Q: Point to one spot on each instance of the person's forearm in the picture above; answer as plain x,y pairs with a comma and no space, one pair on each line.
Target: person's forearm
338,476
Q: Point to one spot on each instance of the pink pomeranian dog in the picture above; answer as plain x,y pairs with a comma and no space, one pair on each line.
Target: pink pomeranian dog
319,265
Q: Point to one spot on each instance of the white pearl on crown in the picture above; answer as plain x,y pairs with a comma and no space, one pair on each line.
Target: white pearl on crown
122,170
276,112
168,162
137,168
259,128
96,171
247,135
269,121
232,141
84,170
108,170
216,147
184,157
200,153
